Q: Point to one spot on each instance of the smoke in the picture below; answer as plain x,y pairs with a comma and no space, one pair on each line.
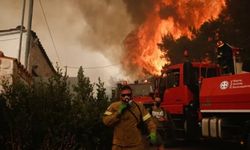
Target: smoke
100,25
139,9
8,12
107,25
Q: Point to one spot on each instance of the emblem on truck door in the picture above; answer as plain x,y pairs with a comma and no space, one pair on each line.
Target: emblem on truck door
224,85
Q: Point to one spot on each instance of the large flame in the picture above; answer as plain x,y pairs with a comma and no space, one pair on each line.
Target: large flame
174,17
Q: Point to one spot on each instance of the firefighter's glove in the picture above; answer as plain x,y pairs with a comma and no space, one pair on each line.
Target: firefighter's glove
122,107
152,137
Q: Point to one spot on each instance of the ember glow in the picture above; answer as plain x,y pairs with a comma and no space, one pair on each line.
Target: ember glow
174,17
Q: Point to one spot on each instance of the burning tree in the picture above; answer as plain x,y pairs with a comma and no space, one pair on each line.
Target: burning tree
177,19
231,27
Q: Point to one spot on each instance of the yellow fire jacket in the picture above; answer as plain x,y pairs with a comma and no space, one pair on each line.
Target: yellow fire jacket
126,132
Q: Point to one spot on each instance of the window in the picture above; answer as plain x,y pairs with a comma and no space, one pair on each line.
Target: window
173,78
208,72
141,89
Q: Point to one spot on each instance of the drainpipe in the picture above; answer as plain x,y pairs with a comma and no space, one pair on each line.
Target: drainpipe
21,31
28,33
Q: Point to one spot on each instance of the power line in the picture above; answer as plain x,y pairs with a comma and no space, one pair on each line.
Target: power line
49,31
94,67
9,39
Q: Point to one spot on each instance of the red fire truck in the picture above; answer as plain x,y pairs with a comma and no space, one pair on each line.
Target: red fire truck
203,103
143,92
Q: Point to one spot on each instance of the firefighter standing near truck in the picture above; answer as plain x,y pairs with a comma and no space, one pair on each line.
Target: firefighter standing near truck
125,116
225,57
160,118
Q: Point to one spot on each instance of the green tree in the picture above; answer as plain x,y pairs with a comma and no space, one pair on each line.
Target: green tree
103,134
83,89
16,111
51,112
87,112
47,116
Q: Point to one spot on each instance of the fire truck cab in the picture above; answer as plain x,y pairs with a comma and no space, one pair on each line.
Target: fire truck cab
183,79
142,92
202,102
179,91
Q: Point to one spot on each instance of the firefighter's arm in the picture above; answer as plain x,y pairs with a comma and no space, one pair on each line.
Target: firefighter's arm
111,116
151,124
147,118
151,128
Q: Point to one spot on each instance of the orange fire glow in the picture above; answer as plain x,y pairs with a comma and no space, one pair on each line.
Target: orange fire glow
173,17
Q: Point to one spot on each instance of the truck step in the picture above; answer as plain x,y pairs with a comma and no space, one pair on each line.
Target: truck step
179,124
179,129
180,133
180,139
177,119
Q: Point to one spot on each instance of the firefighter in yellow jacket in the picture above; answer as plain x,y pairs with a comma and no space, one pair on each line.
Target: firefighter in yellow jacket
124,116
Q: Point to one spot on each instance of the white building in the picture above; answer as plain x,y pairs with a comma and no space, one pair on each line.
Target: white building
39,64
11,71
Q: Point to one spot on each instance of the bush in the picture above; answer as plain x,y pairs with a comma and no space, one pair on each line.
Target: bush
47,115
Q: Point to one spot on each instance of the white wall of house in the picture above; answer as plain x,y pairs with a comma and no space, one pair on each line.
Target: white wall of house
38,61
6,71
9,44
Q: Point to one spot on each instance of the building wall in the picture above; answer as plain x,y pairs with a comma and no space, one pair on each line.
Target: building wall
12,71
6,71
38,62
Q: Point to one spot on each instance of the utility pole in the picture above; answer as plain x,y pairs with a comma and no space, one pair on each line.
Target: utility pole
28,33
21,31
